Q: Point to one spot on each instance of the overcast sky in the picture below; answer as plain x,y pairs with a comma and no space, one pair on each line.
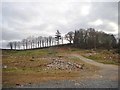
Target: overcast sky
23,19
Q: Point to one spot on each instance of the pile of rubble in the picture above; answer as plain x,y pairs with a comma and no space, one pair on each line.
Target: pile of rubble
64,65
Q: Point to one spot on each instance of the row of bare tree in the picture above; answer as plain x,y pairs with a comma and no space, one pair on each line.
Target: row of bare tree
36,42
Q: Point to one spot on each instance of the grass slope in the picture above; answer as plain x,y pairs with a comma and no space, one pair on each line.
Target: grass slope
28,66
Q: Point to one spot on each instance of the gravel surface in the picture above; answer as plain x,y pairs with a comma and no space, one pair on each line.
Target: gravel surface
76,84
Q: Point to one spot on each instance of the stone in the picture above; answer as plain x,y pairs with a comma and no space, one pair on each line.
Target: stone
101,76
5,66
29,83
16,68
17,84
77,84
45,69
21,85
104,57
110,57
82,66
31,60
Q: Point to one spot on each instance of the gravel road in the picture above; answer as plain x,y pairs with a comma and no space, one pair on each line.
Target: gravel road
76,84
107,78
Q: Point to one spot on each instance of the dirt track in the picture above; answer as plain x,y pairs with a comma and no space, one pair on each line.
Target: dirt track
106,71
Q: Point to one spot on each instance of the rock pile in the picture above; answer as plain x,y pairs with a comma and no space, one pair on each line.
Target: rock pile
64,65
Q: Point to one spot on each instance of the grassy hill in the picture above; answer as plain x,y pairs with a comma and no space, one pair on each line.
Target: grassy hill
33,66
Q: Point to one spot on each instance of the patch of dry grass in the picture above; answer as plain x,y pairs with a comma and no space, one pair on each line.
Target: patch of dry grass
20,77
25,67
102,56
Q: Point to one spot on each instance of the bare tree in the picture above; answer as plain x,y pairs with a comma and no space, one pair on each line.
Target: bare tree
36,42
10,44
23,43
19,44
43,41
26,43
62,39
29,42
47,41
15,44
40,41
69,36
33,43
50,40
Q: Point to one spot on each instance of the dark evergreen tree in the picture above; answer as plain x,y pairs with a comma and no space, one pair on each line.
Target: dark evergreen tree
58,36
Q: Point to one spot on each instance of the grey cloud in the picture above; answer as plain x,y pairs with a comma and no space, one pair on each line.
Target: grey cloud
23,19
104,10
10,35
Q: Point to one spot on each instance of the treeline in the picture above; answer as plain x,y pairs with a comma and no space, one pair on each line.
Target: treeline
91,39
36,42
82,38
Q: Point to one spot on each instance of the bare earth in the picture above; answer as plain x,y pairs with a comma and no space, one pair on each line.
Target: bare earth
107,77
